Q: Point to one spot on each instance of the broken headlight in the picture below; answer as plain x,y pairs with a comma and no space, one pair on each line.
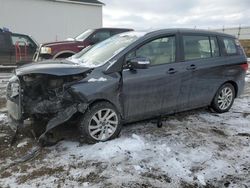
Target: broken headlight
13,87
14,90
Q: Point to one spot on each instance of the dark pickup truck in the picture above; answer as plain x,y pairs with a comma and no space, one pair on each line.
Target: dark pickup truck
64,49
16,48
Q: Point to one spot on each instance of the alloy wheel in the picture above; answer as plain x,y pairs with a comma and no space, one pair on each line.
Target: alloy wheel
103,124
225,98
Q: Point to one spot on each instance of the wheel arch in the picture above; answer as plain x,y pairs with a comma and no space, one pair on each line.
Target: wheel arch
234,84
63,52
108,101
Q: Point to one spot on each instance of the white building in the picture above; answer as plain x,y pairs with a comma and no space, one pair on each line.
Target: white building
50,20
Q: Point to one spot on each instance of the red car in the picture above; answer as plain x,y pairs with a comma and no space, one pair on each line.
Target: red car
64,49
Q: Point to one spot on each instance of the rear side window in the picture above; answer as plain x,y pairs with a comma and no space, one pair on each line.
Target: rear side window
200,47
230,46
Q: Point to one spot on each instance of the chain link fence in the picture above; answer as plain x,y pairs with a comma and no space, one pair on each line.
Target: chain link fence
242,33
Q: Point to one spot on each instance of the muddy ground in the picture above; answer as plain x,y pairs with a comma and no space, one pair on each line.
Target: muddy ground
192,149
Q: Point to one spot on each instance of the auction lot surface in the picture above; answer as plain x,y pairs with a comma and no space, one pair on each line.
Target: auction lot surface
192,149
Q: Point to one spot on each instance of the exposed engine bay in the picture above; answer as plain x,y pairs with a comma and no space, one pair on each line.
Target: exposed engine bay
47,98
46,94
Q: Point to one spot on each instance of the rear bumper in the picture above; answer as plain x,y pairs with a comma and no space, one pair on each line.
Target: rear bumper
241,85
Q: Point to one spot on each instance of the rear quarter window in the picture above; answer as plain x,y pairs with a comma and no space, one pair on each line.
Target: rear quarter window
230,46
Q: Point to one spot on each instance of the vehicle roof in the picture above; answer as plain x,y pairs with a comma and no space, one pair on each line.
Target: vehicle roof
89,1
114,28
1,30
186,30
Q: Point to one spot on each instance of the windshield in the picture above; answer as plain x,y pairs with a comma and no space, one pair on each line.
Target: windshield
84,35
102,52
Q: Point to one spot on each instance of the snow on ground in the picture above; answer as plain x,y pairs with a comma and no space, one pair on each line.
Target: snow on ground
192,149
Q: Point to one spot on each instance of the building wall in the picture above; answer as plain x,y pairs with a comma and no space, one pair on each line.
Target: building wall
47,20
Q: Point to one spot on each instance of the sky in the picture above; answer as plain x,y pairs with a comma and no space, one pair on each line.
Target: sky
156,14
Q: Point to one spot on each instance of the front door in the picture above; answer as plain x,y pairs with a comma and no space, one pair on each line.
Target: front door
152,92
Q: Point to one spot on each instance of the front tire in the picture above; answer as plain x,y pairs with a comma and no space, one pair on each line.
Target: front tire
224,98
100,123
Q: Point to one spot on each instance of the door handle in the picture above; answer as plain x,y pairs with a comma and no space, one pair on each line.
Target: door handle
171,71
191,67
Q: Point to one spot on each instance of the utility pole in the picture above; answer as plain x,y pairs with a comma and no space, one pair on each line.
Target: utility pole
239,31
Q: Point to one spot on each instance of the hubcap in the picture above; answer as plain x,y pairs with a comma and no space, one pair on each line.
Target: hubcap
103,124
225,98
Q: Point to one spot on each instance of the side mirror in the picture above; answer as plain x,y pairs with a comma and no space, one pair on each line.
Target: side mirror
138,63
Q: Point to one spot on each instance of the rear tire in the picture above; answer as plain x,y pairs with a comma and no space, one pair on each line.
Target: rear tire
224,98
100,123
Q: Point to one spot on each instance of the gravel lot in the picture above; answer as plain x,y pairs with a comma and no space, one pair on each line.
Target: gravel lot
192,149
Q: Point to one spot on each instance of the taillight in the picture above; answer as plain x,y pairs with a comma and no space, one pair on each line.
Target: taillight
244,66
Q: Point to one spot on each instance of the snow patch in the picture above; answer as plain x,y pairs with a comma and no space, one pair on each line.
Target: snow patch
22,144
201,179
3,117
101,79
3,135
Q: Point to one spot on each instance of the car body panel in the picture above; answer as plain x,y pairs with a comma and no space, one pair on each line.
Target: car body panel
154,85
137,94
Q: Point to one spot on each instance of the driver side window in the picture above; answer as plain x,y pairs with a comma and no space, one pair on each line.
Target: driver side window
159,51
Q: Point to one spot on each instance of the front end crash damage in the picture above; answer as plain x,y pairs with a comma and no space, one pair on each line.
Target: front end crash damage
44,97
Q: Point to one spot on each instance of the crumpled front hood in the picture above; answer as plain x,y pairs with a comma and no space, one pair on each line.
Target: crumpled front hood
52,67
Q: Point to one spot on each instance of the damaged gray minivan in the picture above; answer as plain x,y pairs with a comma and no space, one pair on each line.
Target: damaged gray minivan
130,77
